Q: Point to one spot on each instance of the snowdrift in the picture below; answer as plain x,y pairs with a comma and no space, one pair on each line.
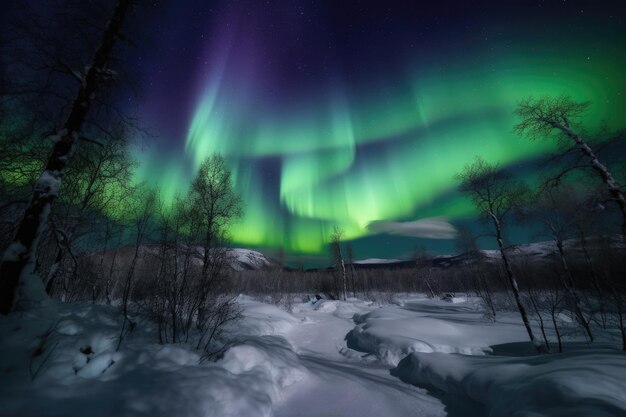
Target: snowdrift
80,373
579,384
428,326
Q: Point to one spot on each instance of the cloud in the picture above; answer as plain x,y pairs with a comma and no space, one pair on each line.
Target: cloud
430,228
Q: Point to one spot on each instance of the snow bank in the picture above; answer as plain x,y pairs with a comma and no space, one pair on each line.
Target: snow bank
579,384
270,358
67,364
263,319
428,326
342,309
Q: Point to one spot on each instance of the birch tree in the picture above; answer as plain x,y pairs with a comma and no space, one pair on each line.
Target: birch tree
495,194
214,207
335,243
553,207
18,285
542,118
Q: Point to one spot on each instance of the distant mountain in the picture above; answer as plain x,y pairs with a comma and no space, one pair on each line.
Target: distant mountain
372,261
239,259
538,252
247,259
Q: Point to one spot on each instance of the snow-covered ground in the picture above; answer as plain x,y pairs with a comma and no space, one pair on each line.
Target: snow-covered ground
419,324
414,357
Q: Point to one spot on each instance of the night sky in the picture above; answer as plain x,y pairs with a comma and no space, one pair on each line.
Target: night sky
359,113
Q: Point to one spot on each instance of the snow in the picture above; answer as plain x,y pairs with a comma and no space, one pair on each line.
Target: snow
424,325
247,259
578,384
413,357
238,259
377,261
58,135
31,291
14,251
80,373
262,319
341,381
49,183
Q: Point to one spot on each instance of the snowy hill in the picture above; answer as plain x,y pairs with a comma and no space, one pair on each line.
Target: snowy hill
538,252
239,259
247,259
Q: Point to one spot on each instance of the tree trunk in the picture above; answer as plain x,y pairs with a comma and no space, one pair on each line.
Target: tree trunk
541,323
352,273
16,269
556,330
513,281
344,279
602,170
571,291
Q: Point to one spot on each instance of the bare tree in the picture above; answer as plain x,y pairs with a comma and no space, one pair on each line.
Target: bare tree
217,205
17,267
467,246
541,118
495,193
214,207
22,158
335,247
422,262
552,206
350,256
95,183
142,209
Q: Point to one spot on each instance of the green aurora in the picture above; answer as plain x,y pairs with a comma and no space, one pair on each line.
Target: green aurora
349,159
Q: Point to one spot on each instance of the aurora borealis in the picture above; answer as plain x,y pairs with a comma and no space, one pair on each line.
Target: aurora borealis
352,115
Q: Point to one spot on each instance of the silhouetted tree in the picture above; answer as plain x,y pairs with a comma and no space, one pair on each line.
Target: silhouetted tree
142,210
350,257
95,182
18,262
541,118
495,194
553,207
214,207
335,246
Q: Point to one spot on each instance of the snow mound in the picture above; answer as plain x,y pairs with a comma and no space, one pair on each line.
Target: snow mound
324,306
66,364
270,357
343,309
392,333
565,385
263,319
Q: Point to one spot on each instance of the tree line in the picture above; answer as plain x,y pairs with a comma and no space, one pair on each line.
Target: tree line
564,209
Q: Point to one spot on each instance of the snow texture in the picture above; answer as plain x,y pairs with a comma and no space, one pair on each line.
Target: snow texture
579,384
377,261
423,325
324,358
241,259
64,363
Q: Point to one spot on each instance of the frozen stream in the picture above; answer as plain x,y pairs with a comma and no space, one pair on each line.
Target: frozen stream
345,382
